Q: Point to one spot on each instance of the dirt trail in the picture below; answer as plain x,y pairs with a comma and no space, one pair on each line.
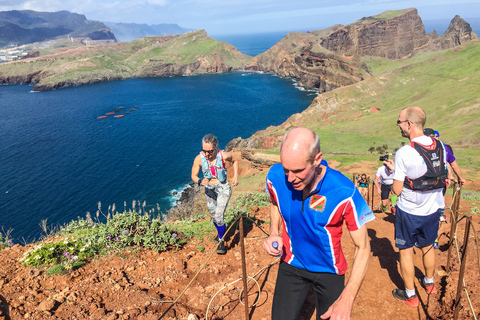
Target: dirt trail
141,284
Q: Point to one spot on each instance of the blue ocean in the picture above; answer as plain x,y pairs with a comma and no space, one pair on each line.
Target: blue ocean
58,160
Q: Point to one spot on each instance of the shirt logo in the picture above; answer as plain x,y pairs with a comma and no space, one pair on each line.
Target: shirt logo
318,202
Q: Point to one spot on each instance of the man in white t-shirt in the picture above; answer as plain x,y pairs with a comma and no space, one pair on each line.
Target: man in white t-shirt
383,183
419,184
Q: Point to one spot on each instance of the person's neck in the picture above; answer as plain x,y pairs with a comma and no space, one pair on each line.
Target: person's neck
319,174
415,134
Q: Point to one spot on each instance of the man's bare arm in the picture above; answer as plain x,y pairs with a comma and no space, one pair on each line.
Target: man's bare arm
397,187
342,308
275,223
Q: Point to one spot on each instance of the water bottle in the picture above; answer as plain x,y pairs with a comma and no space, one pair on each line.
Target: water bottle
275,246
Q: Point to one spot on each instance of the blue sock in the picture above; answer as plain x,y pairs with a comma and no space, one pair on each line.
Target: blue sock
220,230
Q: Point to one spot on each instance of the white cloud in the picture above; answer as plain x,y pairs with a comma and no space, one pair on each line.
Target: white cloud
157,2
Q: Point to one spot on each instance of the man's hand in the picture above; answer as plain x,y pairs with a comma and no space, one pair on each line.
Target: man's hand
389,164
339,310
267,245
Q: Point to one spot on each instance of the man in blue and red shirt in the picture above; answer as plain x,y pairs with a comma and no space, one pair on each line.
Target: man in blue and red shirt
310,202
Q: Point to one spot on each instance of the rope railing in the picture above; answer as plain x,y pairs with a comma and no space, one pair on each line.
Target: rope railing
244,277
461,250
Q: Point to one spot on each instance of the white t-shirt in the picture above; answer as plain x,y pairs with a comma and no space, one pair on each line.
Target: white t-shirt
385,176
409,163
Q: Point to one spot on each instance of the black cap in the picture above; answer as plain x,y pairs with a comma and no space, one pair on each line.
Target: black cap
428,132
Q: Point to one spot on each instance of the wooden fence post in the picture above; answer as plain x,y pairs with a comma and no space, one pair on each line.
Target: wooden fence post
244,269
462,269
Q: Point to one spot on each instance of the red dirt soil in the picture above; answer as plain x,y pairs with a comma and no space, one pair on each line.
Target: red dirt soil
141,284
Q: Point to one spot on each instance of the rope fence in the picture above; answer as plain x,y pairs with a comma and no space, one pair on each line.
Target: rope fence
453,244
461,251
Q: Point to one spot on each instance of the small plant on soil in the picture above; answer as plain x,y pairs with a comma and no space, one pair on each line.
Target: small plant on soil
85,239
5,241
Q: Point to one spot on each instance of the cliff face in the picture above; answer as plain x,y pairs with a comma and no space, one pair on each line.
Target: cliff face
393,37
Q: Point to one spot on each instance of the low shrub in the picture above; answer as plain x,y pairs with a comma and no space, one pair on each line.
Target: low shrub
79,241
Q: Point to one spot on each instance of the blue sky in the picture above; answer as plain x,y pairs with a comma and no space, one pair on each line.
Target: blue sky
246,16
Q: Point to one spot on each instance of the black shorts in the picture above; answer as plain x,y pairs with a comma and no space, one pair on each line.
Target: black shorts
292,288
385,188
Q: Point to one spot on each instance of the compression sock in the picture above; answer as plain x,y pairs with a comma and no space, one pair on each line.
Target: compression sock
384,208
393,198
220,230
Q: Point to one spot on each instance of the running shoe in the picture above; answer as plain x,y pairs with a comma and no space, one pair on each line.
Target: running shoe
429,287
221,248
401,295
216,239
392,209
443,219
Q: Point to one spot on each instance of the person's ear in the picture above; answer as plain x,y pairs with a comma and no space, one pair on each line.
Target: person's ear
318,159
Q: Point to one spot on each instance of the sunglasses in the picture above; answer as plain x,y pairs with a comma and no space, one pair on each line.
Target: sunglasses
398,121
209,151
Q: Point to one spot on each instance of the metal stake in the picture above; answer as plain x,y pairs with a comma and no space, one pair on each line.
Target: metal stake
462,269
244,269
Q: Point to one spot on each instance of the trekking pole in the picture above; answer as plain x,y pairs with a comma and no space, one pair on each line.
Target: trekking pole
244,268
460,285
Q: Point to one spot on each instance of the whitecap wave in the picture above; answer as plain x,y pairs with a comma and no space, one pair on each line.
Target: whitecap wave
175,194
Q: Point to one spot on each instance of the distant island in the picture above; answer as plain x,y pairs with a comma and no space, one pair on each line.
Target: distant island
130,31
20,27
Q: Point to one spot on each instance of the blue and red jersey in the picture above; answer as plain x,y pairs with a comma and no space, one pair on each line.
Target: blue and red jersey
312,227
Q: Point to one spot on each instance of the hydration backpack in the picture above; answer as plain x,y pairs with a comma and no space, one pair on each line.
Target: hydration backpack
436,174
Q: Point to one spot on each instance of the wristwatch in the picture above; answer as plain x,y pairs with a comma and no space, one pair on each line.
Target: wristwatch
199,182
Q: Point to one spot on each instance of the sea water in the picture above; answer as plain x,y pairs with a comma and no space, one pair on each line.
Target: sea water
58,160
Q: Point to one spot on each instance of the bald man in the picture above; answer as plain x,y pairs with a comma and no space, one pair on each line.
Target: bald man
310,203
419,176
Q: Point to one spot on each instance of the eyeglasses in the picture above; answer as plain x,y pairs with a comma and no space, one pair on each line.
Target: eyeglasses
398,121
209,151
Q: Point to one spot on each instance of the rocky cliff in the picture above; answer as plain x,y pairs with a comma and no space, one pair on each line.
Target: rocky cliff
458,33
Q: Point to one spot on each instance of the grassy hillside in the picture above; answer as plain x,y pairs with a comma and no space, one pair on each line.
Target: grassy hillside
443,83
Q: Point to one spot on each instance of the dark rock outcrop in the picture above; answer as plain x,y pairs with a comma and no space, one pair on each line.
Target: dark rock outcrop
458,33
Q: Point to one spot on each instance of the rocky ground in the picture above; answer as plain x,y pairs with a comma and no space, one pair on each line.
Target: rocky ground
143,284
